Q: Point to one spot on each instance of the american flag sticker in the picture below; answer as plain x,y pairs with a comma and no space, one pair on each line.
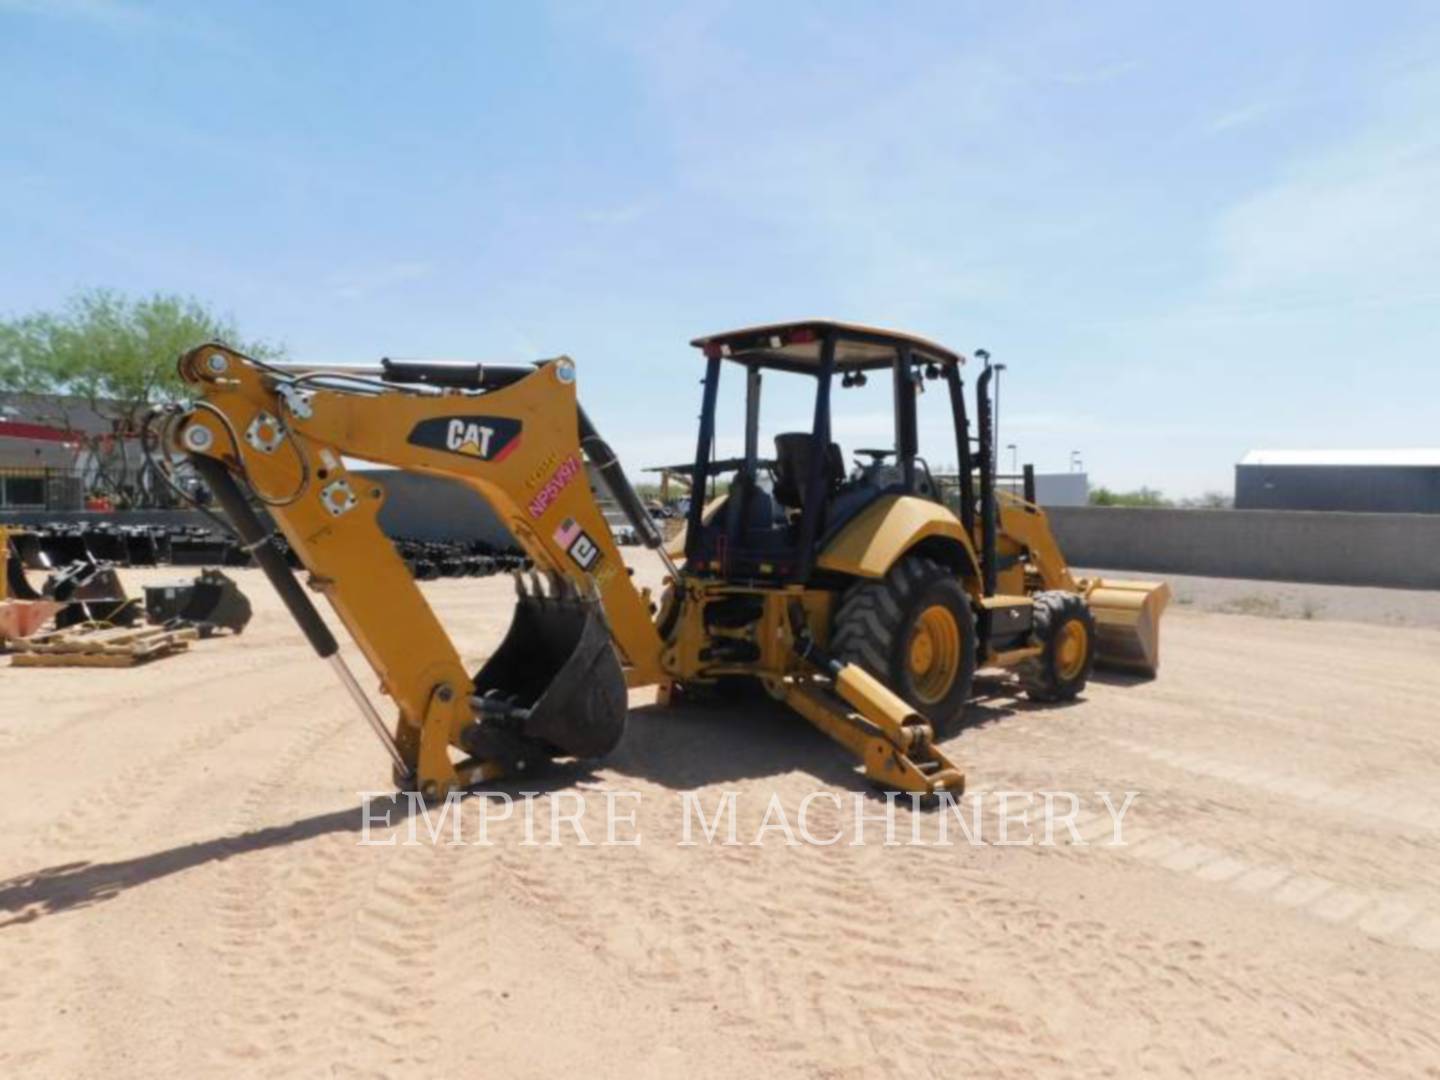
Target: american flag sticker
566,532
582,550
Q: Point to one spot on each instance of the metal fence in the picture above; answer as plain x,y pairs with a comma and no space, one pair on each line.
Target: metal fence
27,487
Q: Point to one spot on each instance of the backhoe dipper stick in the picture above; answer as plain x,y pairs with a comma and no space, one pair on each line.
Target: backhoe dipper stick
257,540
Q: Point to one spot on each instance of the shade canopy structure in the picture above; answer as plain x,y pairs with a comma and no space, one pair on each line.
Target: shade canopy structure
796,346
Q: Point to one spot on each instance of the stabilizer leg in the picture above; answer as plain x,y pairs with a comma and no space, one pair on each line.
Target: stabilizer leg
869,719
896,747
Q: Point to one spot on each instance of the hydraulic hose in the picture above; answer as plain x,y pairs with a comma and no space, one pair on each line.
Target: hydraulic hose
256,539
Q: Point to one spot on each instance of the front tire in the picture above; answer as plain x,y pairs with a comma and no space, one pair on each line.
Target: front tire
914,631
1065,628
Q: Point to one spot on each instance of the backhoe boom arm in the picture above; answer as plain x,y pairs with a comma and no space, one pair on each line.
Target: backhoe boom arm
518,445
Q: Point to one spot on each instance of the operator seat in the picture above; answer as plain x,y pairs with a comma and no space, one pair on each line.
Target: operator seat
792,468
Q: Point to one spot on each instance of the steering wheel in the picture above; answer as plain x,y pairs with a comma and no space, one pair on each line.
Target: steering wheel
877,456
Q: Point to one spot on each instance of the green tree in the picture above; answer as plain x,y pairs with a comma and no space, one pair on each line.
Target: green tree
107,356
1209,500
1145,496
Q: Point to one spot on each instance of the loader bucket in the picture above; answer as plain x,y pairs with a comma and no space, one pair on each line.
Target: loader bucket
1127,623
557,672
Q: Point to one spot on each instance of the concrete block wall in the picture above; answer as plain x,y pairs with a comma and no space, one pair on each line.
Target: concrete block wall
1389,550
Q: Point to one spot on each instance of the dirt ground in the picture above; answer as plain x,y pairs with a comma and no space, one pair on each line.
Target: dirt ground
184,889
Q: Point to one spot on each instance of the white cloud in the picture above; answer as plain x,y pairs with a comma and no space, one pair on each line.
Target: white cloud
1242,116
110,13
1356,222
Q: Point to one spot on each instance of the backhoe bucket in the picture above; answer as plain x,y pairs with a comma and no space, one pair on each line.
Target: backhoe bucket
216,600
212,601
25,546
1127,623
17,585
557,672
22,608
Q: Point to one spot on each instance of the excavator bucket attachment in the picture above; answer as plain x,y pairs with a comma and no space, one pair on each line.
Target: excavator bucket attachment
22,609
557,672
212,601
215,600
26,547
90,593
1127,622
17,585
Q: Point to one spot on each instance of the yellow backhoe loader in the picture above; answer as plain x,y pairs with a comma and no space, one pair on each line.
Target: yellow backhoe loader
861,600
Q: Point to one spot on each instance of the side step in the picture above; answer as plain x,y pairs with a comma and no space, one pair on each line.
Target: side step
894,743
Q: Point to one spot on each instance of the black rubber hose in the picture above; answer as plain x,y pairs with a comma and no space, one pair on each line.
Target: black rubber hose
604,459
257,539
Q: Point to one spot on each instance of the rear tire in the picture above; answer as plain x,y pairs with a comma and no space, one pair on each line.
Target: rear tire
1065,628
914,631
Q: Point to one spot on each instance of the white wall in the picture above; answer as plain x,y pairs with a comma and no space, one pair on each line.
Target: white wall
1056,489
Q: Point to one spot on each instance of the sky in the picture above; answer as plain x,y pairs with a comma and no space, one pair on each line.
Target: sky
1188,230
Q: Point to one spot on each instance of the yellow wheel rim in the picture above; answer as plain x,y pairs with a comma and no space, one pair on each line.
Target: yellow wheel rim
934,654
1070,650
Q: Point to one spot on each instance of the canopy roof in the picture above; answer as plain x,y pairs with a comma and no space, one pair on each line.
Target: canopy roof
795,346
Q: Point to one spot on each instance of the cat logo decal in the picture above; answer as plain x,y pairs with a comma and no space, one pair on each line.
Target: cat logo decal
486,438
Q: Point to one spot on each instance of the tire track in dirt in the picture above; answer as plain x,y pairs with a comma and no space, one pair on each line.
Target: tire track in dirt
891,989
269,951
1321,833
113,805
191,674
1410,809
834,959
1406,917
388,1020
1114,971
54,956
1401,917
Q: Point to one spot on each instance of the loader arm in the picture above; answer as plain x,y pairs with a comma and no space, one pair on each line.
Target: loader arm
514,438
1026,524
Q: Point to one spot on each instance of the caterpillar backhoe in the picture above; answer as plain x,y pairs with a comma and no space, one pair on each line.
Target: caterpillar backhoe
859,598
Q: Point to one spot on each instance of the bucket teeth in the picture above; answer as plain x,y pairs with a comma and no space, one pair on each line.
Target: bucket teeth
557,585
546,585
558,673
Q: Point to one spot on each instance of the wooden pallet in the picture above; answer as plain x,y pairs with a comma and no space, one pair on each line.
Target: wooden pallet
90,647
